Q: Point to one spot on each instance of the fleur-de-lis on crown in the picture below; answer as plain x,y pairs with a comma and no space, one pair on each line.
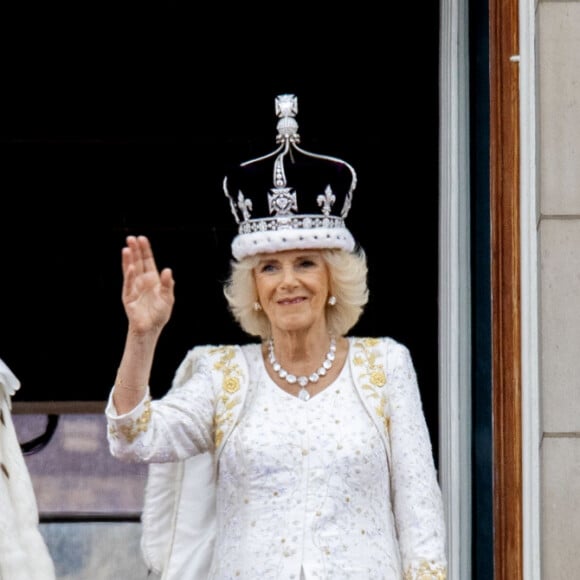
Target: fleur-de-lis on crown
245,206
326,201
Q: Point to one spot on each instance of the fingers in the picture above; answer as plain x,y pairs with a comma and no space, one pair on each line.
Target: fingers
137,259
148,295
126,260
146,254
138,253
167,284
130,256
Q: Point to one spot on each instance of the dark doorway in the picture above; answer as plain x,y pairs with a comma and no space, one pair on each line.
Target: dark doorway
124,120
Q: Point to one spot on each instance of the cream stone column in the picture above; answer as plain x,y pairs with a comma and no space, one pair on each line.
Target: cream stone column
559,275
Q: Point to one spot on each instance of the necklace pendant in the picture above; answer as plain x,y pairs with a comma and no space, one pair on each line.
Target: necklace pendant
302,380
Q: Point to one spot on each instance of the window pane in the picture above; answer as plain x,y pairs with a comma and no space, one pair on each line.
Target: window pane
74,472
93,551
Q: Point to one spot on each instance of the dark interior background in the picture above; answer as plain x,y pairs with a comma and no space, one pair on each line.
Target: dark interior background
124,119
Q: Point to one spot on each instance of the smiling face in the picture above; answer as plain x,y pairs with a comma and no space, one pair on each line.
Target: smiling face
293,287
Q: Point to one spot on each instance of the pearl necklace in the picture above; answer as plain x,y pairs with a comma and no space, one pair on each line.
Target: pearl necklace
303,380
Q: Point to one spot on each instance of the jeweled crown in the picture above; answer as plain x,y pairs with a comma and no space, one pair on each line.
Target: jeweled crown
290,198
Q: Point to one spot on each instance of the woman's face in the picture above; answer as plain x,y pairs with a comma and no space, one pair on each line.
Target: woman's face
293,287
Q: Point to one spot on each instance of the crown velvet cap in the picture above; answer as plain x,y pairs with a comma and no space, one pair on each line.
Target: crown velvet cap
291,198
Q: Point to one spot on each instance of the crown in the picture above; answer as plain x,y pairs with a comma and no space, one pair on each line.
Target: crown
291,198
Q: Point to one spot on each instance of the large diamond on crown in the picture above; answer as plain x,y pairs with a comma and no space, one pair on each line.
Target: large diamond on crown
282,201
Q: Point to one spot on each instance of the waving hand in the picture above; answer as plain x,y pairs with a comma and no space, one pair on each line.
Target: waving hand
148,295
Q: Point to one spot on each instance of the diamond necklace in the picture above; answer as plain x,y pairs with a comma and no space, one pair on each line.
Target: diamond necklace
303,380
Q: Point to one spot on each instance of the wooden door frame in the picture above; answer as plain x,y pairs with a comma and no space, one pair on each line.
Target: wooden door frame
506,288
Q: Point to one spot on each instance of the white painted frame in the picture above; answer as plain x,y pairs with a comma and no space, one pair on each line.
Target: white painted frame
529,220
454,289
455,286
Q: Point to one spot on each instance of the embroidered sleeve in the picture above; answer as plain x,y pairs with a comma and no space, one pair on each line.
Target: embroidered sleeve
130,425
171,428
417,499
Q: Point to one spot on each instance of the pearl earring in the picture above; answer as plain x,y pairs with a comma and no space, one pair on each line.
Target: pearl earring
257,306
331,300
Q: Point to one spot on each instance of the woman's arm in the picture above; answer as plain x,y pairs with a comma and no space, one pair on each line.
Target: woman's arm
148,298
417,499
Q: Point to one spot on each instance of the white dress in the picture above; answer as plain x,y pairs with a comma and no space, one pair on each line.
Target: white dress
303,488
305,484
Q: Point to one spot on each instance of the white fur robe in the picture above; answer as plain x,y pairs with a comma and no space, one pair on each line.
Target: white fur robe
23,552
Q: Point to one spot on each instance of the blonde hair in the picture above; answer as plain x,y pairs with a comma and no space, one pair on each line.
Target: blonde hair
348,283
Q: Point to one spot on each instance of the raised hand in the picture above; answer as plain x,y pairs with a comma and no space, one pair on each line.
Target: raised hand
148,295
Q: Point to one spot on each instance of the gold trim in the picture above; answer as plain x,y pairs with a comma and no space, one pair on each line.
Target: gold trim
231,383
132,428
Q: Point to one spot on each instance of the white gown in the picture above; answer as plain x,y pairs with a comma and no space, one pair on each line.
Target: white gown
304,488
305,484
23,552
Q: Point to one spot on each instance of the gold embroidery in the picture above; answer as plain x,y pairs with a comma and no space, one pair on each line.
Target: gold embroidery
131,429
231,383
381,412
378,378
218,437
373,376
368,359
229,405
426,571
